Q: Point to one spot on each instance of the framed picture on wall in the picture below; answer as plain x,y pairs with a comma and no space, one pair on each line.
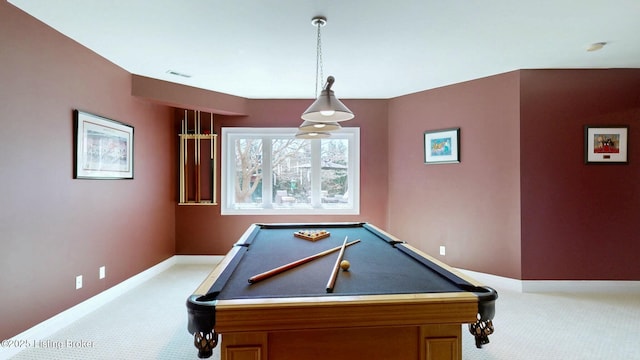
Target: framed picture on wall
103,148
442,146
606,144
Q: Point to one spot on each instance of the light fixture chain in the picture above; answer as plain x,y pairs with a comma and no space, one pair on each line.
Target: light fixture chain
319,66
326,110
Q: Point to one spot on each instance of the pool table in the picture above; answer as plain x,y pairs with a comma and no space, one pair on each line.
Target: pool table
393,302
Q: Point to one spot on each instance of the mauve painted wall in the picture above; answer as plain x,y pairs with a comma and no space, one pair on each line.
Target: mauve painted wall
522,203
53,227
579,221
472,208
202,230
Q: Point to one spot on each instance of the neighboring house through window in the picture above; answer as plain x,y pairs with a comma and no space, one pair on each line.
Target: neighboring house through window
269,171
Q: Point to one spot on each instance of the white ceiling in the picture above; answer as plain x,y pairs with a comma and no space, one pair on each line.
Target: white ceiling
374,48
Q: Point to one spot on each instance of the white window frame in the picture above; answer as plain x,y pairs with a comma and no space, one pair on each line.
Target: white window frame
228,163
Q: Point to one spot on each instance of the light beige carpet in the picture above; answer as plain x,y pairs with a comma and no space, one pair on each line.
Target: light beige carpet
150,322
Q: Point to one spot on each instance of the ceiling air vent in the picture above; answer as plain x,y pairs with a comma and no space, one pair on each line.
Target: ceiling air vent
172,72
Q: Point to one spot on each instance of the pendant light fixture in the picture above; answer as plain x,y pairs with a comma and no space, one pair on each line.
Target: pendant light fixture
327,107
312,135
319,126
325,113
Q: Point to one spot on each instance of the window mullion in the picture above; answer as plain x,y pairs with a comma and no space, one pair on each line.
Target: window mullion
316,176
267,173
354,172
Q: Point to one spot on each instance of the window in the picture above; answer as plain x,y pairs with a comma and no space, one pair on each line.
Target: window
269,171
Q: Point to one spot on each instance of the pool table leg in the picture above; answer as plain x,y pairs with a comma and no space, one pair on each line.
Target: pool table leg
205,342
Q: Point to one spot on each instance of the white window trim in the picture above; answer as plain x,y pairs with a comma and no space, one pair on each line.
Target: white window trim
227,177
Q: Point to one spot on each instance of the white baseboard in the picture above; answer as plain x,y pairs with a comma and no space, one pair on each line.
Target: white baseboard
557,286
581,286
198,259
495,280
67,317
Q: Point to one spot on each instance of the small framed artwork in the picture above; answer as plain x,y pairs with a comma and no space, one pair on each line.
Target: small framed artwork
606,144
103,148
442,146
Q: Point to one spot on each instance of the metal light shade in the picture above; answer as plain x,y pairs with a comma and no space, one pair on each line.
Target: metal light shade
327,108
312,126
312,135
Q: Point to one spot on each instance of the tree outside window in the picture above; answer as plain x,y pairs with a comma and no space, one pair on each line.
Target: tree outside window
275,173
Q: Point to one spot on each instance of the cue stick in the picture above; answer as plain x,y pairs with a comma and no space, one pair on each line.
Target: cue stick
267,274
197,156
180,162
336,267
213,164
186,157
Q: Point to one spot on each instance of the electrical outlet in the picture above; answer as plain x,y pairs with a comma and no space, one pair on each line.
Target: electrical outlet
443,250
102,272
78,282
